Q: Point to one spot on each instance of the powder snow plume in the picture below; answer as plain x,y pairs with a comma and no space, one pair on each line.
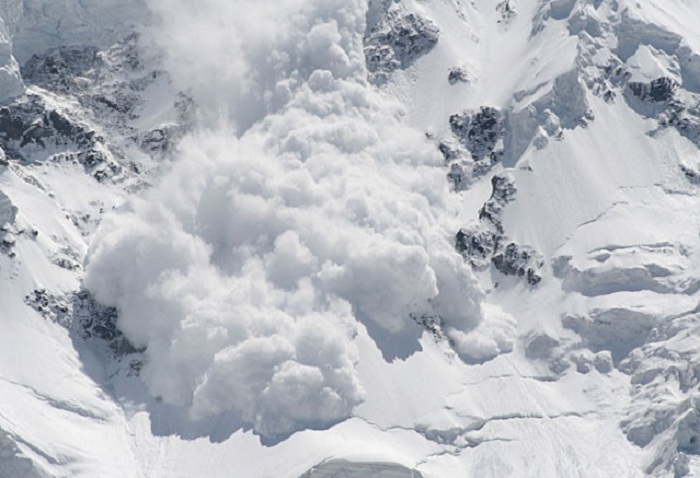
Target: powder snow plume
299,209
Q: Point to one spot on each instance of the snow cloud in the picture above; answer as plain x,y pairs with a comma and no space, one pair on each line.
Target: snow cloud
299,208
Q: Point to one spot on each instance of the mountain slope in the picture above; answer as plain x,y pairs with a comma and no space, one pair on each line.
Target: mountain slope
433,239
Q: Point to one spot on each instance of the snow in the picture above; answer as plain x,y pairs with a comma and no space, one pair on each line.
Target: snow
337,217
290,268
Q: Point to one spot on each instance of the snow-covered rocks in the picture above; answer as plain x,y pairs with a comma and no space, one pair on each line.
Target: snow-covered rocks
458,75
479,241
659,90
484,242
305,253
34,131
481,133
519,261
62,69
396,40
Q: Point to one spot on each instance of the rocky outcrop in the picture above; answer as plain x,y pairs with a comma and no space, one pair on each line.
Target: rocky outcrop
691,172
483,243
506,11
659,90
479,242
685,117
82,314
77,94
396,41
62,69
458,75
475,146
520,261
503,191
480,132
31,130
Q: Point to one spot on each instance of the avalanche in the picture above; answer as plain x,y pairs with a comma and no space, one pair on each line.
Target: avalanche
378,238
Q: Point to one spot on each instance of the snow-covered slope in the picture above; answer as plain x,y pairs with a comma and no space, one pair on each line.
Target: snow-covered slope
316,238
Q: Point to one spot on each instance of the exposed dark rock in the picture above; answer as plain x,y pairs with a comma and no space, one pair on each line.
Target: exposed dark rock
82,313
482,243
7,245
449,152
665,100
30,121
477,245
479,242
609,96
32,130
616,73
60,69
93,319
692,173
520,261
54,308
506,10
457,75
463,170
475,146
685,120
160,141
481,133
659,90
503,191
583,361
396,41
434,324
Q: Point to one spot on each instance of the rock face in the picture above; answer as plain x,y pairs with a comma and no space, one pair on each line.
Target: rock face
110,86
584,258
479,242
481,132
520,261
483,243
658,90
458,75
475,146
396,41
61,69
33,131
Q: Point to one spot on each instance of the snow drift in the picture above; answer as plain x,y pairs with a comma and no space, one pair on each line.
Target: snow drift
300,206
